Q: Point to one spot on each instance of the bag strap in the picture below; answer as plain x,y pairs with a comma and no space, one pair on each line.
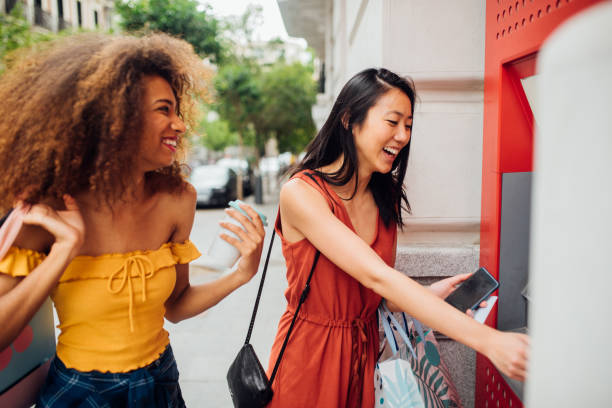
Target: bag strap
384,309
303,297
386,315
261,283
297,310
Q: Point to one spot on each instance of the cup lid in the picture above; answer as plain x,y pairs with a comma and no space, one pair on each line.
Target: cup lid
234,204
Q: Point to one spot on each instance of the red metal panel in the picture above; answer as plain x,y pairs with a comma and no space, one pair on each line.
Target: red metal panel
492,391
514,33
516,122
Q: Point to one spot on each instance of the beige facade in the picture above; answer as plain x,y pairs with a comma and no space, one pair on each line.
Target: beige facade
57,15
440,44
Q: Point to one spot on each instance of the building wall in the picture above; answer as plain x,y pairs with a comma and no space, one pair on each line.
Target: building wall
338,46
50,13
88,8
364,36
444,54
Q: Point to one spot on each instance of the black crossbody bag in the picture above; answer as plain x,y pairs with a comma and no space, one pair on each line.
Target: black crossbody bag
248,384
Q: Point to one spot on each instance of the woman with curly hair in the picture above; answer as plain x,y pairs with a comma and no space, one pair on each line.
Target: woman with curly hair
90,134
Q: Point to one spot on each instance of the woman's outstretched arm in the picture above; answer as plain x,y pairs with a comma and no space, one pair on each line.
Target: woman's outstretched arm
308,212
186,300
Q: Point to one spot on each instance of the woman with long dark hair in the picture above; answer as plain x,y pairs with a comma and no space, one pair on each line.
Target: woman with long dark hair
345,200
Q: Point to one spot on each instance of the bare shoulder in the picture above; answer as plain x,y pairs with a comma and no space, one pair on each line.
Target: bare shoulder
297,188
183,199
298,196
188,196
181,205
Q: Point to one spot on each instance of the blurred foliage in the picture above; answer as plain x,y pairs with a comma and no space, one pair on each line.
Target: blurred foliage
276,101
216,135
238,96
255,101
186,19
261,101
238,31
16,33
288,93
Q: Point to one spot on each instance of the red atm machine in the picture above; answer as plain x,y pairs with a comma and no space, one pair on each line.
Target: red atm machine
515,30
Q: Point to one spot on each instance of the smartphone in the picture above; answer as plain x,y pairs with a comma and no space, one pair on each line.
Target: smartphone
473,290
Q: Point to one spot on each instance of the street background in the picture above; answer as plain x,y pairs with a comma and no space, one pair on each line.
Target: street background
206,345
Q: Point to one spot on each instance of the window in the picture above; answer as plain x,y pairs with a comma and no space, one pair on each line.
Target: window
9,4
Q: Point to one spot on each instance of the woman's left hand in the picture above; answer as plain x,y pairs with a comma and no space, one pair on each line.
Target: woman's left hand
251,240
445,287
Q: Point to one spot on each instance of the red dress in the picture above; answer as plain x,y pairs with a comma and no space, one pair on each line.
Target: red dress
331,355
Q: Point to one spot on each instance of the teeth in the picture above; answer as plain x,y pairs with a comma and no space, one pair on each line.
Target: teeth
391,150
170,142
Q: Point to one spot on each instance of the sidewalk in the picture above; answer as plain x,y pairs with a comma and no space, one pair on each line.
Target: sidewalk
206,345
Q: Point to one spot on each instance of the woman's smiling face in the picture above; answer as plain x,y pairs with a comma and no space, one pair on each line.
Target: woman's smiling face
162,126
384,132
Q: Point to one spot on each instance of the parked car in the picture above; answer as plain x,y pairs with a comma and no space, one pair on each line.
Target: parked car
242,167
216,185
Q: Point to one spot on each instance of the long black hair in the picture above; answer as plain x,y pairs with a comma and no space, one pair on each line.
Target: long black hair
335,138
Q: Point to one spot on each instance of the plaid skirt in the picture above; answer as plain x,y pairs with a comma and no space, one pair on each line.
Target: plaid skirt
155,385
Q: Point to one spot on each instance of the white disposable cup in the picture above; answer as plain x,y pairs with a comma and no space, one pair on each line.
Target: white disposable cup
222,255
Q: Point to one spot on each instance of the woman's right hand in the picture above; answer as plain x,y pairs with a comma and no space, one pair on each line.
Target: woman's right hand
510,353
66,226
251,240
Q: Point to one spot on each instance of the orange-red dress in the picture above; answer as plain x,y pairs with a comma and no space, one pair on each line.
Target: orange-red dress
331,355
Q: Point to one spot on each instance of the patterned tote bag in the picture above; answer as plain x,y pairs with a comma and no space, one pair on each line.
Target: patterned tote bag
421,350
395,385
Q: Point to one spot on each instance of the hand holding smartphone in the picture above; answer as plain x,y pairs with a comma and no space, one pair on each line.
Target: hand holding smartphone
473,290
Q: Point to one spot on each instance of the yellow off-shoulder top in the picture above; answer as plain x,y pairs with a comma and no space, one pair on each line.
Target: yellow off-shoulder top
110,307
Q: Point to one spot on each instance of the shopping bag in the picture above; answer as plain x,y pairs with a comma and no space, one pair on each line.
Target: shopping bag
394,382
25,362
421,349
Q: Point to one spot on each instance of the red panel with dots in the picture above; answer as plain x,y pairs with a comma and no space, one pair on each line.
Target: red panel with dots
515,30
491,389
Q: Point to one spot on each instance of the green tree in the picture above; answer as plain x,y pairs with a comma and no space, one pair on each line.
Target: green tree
216,135
262,101
238,31
239,97
288,93
274,101
15,33
183,18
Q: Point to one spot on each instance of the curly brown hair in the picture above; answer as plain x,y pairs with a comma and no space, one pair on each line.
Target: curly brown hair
70,117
